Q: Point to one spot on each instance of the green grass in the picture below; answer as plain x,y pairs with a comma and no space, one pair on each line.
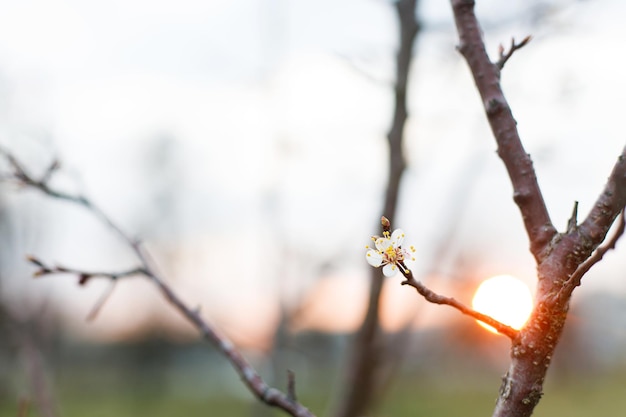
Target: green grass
109,393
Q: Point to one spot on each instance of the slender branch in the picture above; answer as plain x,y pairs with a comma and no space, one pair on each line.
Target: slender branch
84,276
435,298
504,57
250,377
526,192
572,223
291,386
598,254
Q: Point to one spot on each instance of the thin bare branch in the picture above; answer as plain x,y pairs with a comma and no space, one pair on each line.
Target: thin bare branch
291,386
598,254
95,310
572,223
250,377
435,298
505,56
84,276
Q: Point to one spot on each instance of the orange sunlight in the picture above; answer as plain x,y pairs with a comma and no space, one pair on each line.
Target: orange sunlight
506,299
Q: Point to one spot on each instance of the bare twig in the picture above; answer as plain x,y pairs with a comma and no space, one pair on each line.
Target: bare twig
250,377
84,276
572,223
505,56
435,298
291,386
598,254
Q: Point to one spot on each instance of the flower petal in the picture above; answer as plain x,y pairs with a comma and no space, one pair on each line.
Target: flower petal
374,258
397,237
390,270
382,243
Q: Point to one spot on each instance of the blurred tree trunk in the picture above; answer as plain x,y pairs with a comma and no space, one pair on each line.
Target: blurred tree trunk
367,352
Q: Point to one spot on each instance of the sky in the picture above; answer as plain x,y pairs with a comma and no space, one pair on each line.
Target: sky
244,141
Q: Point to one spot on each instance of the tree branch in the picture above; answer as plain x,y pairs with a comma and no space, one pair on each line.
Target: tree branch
367,351
250,377
504,57
562,259
598,254
526,192
435,298
608,205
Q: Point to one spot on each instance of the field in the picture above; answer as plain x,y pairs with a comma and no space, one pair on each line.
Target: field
114,393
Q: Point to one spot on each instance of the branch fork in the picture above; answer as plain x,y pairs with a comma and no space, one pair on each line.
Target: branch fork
506,55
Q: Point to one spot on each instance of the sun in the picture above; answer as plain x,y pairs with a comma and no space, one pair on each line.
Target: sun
506,299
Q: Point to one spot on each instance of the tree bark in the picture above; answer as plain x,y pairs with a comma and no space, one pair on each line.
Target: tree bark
558,255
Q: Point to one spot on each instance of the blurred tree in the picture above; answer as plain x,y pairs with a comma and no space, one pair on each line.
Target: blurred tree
366,358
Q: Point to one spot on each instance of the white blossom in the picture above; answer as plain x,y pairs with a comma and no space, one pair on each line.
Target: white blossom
389,252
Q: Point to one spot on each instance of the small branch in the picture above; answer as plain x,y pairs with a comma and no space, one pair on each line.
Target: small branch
95,310
83,275
250,377
504,57
54,167
291,386
572,223
435,298
22,177
598,254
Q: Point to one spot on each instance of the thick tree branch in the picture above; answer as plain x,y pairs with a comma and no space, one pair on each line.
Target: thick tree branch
562,259
607,207
250,377
526,192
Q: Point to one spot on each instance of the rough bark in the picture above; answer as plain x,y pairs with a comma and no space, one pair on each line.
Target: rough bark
558,255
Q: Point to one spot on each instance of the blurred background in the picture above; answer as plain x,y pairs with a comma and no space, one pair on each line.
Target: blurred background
244,142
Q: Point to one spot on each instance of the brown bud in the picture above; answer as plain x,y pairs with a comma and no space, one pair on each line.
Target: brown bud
385,222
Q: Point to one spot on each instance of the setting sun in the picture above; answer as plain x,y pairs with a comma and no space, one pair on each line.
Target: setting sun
506,299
